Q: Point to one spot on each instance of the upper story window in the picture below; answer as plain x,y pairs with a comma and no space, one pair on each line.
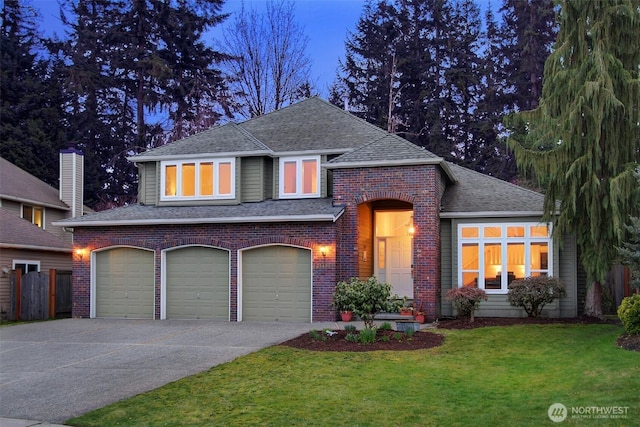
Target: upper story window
299,177
26,266
199,179
33,214
490,256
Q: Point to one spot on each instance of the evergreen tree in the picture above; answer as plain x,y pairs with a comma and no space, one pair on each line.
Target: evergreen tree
583,139
29,96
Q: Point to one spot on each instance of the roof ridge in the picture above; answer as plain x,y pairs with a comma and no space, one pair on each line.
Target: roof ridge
249,135
519,187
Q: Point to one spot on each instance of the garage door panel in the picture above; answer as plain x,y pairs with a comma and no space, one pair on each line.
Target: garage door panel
197,283
276,284
125,283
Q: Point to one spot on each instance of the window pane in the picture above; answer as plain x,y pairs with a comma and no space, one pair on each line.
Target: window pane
540,231
515,231
515,258
224,181
469,232
309,177
492,259
470,279
539,256
27,213
188,180
170,182
470,259
492,232
37,217
206,179
289,177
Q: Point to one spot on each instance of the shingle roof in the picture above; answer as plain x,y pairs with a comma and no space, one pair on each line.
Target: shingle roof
266,211
16,232
310,125
229,138
18,184
476,193
388,148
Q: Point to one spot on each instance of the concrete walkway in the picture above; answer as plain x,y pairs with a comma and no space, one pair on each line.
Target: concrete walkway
56,370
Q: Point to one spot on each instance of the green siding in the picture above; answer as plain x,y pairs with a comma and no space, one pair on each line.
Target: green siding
252,176
568,272
446,265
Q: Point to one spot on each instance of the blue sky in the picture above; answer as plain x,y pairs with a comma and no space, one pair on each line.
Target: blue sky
326,22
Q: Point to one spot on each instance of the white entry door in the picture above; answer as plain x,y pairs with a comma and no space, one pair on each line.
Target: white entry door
399,266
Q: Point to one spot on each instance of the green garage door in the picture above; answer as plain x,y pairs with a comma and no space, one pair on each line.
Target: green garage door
197,283
276,284
125,283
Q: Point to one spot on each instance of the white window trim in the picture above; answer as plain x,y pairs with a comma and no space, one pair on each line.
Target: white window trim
298,194
215,196
25,262
503,241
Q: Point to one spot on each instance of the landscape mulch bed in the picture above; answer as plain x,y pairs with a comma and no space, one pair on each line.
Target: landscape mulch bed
426,339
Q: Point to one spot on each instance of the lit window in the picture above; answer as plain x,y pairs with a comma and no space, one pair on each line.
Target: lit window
492,256
299,177
210,179
33,214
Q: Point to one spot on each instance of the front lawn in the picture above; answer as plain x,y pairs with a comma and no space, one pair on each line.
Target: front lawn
492,376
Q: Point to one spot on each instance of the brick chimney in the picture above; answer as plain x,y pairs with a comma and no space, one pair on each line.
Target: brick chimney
72,179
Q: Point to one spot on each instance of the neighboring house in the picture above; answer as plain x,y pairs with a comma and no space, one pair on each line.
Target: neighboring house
259,220
29,241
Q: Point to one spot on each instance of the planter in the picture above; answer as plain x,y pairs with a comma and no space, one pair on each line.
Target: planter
420,318
346,316
405,312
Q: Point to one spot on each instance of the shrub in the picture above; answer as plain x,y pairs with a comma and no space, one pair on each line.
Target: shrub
368,335
317,336
629,314
386,326
366,298
532,293
350,328
466,300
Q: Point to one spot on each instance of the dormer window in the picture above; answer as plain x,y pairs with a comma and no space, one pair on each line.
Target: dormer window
299,177
198,179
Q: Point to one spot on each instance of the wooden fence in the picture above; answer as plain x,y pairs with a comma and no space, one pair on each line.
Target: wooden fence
40,296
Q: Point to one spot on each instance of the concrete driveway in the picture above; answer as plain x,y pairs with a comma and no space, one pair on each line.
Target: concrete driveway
56,370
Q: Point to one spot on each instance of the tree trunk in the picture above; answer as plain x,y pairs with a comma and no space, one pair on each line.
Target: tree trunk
593,301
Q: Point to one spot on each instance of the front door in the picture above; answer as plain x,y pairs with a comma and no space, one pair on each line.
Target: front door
394,250
399,269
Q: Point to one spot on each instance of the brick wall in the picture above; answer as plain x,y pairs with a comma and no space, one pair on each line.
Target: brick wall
226,236
418,185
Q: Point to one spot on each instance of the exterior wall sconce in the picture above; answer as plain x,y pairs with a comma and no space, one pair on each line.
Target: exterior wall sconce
80,253
323,251
411,230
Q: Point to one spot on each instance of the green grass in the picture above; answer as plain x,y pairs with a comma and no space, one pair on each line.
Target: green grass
480,377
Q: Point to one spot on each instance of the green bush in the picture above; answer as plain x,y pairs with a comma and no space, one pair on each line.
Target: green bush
466,300
365,298
629,314
368,335
532,293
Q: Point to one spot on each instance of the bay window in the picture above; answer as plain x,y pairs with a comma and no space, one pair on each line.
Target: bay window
490,256
299,177
198,179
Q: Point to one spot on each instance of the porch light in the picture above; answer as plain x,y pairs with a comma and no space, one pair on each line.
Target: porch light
323,251
411,229
80,253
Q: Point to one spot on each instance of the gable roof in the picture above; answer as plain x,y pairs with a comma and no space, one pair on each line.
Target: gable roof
19,233
312,125
19,185
475,194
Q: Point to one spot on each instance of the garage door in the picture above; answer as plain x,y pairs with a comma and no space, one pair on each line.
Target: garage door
197,283
276,284
125,283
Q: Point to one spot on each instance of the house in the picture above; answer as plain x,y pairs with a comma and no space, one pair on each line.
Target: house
29,240
259,220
